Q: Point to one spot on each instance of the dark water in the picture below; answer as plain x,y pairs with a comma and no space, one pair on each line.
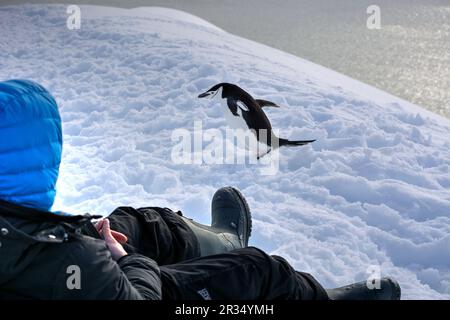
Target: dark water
408,57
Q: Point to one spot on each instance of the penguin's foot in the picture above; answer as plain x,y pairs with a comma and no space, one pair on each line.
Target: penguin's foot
259,156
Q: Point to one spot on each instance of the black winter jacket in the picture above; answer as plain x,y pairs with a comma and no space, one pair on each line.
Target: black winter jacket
49,256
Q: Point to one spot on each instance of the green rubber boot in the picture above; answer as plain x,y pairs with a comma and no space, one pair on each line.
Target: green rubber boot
231,224
389,290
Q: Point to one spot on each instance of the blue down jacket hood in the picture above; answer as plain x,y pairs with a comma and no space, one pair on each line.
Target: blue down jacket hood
30,144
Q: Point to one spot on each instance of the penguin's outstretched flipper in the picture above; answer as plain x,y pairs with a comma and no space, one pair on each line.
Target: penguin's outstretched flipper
289,143
266,103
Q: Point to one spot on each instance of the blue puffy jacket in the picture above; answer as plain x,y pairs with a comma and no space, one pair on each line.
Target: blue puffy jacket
30,144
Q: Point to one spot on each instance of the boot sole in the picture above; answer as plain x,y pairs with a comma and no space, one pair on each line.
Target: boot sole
247,219
360,291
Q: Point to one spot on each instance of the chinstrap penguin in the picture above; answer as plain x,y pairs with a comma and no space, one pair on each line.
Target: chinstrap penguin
243,112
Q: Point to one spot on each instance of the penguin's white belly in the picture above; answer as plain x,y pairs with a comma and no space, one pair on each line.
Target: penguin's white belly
246,137
235,122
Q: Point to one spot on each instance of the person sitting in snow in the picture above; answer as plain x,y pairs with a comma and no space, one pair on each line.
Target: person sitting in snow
147,253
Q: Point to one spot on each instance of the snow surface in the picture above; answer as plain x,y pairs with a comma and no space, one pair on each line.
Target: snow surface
373,189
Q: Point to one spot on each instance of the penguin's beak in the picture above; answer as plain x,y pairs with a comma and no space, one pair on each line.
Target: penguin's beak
210,94
205,94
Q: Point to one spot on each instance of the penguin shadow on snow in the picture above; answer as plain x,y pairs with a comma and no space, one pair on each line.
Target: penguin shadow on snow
245,115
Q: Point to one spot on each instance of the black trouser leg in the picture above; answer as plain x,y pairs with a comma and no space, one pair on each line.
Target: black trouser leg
157,233
244,274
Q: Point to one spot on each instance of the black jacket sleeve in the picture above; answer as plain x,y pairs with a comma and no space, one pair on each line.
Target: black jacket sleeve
143,274
133,277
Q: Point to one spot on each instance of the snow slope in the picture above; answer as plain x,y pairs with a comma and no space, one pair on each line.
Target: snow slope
373,189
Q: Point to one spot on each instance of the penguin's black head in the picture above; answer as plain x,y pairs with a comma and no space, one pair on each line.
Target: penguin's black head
224,88
211,93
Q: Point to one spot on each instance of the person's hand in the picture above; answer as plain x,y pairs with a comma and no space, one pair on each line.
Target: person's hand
112,239
120,237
